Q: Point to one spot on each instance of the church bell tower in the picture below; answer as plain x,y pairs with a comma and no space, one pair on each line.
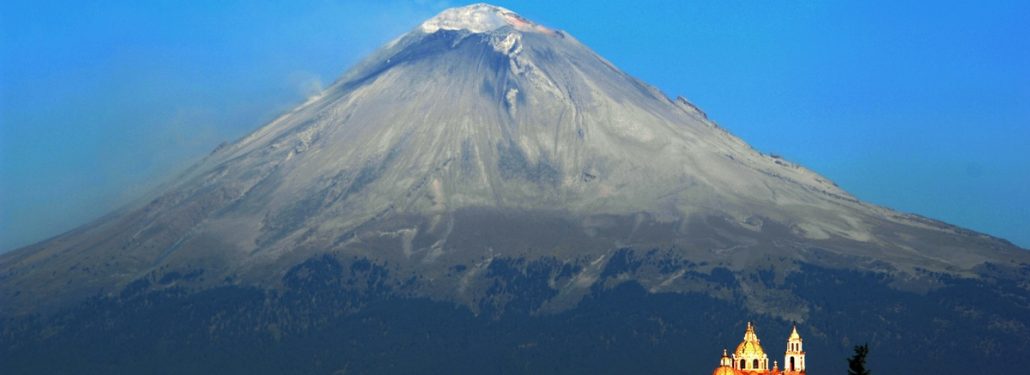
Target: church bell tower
794,359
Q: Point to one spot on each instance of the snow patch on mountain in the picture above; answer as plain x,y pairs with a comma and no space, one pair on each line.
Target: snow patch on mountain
510,45
479,18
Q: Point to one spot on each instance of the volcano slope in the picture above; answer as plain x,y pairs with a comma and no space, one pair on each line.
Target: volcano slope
486,194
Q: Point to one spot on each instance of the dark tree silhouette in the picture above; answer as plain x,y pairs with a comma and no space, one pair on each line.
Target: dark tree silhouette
856,364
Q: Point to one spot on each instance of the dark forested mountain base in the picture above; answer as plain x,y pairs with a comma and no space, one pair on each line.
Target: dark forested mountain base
334,318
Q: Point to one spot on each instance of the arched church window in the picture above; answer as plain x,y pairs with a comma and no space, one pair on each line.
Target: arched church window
791,363
755,363
743,364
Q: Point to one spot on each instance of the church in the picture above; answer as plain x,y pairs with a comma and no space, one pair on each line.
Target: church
750,358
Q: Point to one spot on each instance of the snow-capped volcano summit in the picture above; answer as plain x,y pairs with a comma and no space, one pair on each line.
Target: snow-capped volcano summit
479,18
469,120
503,167
465,117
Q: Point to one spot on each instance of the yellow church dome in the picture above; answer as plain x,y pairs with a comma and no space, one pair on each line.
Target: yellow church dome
750,347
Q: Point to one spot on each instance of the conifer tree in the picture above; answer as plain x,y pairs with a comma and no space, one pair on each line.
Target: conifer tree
856,364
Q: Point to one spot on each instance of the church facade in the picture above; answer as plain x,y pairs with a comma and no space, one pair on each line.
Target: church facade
750,358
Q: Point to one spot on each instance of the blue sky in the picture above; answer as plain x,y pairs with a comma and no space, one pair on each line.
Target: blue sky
920,107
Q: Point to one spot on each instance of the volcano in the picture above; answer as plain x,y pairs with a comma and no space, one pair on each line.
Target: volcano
487,194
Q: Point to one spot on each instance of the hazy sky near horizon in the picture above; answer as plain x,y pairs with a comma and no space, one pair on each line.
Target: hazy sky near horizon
920,108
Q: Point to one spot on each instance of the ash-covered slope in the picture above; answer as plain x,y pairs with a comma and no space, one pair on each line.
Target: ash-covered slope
481,136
